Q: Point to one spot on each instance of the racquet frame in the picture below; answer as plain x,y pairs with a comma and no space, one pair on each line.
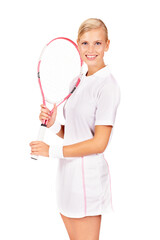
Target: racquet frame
44,124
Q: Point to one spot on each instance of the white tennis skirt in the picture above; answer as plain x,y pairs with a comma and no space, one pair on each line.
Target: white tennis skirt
83,186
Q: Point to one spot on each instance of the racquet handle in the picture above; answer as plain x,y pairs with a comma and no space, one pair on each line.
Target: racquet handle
40,137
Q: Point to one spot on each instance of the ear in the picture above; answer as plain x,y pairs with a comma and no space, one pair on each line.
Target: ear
107,45
77,43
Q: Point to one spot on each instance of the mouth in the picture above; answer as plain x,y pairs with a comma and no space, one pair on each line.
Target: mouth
91,57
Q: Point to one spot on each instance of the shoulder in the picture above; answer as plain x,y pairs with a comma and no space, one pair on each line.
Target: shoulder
108,91
107,84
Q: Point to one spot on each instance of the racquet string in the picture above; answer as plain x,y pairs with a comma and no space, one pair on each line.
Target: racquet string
60,64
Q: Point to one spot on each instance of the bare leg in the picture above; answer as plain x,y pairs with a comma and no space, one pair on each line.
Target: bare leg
86,228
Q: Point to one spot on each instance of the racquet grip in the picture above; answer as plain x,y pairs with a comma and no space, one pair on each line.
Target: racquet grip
40,137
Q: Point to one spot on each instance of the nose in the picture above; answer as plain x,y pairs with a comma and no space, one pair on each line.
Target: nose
91,48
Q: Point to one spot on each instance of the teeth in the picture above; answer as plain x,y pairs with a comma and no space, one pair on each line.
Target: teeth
91,56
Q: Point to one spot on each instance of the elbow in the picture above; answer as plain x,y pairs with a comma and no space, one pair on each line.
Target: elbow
101,148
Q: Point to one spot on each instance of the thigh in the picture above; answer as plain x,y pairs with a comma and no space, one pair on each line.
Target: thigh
83,228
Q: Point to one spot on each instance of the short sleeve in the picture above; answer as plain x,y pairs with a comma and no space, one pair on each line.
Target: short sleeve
108,99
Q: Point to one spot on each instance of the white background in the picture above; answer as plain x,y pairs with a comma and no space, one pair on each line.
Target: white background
27,188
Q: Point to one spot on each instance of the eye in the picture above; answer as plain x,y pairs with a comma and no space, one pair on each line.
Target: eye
84,43
98,43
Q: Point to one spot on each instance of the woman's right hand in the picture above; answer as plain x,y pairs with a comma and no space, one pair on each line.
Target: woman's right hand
46,114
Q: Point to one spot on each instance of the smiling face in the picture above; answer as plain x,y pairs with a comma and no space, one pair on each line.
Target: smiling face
92,45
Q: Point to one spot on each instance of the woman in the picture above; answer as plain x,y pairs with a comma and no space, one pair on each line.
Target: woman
83,180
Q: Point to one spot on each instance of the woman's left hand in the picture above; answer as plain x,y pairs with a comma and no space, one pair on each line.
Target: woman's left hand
39,148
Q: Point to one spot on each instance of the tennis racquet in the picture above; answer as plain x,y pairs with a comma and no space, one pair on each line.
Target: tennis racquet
58,65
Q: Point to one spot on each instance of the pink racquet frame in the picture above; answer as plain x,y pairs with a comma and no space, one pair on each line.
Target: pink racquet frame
44,124
38,71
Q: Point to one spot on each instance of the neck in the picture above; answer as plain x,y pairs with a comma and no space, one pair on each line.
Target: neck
94,69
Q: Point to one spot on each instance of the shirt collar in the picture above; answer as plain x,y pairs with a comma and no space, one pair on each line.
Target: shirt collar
103,72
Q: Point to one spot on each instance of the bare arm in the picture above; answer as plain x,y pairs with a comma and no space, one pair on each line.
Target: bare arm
61,132
92,146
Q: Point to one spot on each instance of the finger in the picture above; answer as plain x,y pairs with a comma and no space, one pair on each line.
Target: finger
35,153
44,110
34,143
43,106
44,115
44,118
31,143
54,110
55,107
36,148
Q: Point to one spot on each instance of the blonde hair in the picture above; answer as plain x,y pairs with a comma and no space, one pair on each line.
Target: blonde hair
92,23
